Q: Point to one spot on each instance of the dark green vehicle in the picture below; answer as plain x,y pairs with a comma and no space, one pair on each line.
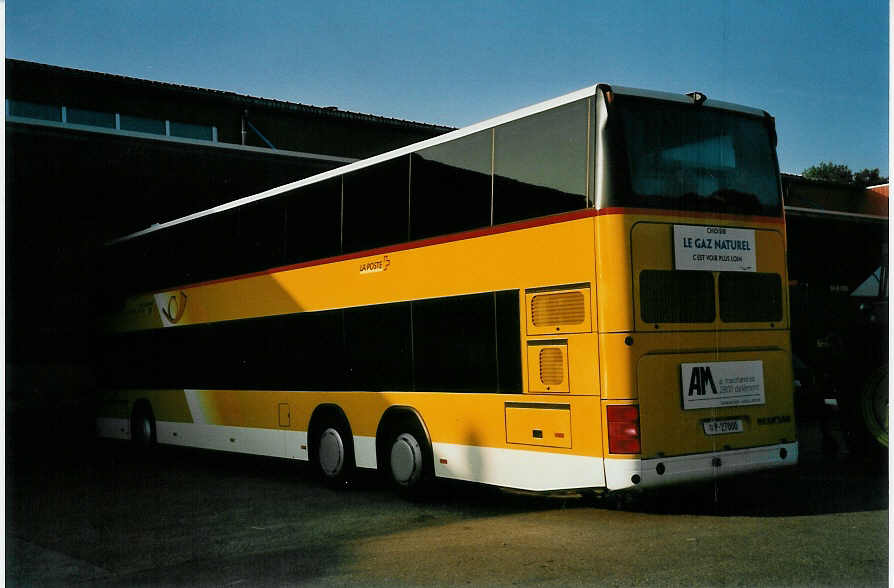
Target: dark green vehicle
838,268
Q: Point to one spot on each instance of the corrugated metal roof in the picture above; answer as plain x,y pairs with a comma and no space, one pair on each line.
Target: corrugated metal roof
241,99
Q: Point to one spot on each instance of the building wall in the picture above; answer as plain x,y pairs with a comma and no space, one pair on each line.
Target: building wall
71,188
289,126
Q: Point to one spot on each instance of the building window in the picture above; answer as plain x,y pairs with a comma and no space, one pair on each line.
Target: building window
93,118
109,120
35,110
191,131
142,125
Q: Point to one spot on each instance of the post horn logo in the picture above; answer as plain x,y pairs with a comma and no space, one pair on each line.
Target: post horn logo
176,307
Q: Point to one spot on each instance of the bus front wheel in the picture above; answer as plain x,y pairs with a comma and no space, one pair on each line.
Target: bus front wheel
333,452
142,426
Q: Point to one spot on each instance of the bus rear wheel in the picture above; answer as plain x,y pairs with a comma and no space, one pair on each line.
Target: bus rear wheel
409,460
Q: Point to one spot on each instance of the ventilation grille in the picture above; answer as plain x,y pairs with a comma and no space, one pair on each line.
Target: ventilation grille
552,368
566,308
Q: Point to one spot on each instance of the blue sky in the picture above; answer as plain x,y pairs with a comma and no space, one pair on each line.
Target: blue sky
821,68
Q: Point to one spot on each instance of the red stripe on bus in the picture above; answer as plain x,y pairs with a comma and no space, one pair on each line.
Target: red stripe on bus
484,232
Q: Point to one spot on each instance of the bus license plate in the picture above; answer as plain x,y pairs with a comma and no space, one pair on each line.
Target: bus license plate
723,427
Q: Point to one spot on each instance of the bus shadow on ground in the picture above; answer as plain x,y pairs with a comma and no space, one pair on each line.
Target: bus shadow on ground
814,487
105,514
839,486
823,482
819,484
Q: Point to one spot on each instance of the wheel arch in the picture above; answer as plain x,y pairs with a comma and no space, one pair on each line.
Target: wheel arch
142,404
392,416
327,412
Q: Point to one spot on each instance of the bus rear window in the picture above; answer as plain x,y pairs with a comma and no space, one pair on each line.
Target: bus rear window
694,158
668,296
749,297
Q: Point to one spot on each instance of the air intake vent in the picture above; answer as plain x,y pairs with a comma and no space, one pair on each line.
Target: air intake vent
552,368
548,366
565,308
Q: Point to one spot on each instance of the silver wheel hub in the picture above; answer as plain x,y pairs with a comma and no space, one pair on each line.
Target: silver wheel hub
331,452
406,460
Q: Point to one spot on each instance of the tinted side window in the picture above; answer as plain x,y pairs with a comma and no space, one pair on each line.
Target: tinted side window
540,164
450,187
149,254
127,360
509,341
313,221
454,344
130,261
261,235
376,205
127,261
215,247
377,340
248,354
173,256
190,252
300,352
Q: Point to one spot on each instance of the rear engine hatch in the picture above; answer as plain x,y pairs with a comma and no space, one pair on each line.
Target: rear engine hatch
704,401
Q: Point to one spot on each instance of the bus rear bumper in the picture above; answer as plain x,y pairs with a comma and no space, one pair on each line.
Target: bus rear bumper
650,473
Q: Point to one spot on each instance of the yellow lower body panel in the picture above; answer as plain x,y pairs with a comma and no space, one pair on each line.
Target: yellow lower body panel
535,442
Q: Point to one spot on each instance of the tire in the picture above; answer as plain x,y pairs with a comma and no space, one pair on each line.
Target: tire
874,407
333,454
142,427
864,417
409,460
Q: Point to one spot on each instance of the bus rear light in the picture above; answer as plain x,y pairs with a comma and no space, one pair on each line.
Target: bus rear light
623,428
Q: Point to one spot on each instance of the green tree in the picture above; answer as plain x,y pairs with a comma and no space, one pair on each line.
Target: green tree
838,172
869,177
831,172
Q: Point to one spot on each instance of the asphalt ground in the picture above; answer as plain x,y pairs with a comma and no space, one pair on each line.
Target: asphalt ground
81,511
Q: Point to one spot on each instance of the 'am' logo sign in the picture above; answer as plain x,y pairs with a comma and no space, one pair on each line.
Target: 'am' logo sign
707,384
701,380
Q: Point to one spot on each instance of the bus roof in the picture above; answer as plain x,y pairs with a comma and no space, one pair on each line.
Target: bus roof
450,136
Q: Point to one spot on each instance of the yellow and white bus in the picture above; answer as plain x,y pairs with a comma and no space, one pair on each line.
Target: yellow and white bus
588,293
